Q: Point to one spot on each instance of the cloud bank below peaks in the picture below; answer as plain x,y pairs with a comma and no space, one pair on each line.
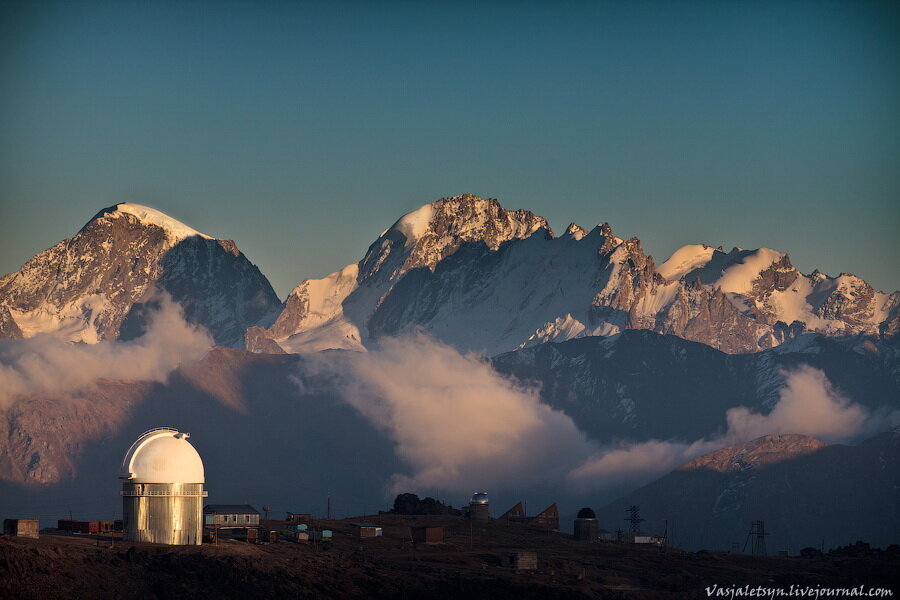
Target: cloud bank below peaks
456,422
47,365
460,425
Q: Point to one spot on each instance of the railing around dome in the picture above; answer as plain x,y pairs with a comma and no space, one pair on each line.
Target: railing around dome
202,493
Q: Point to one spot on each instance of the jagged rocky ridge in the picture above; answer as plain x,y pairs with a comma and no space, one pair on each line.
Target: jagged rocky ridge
807,492
92,286
481,277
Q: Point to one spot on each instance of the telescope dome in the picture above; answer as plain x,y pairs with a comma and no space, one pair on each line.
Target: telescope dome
479,498
162,455
586,513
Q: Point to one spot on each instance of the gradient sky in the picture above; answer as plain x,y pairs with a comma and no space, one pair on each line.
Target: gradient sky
302,130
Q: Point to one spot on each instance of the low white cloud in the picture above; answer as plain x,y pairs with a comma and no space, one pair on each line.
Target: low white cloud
456,422
808,404
47,365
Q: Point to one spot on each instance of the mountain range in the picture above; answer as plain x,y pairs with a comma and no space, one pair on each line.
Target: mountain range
627,349
464,269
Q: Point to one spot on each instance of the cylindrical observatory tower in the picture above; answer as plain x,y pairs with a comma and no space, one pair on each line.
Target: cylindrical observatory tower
162,489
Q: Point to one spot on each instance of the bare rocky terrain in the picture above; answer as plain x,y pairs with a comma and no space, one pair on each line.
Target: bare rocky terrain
467,565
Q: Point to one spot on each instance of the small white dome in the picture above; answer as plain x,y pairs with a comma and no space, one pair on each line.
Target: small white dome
479,498
162,455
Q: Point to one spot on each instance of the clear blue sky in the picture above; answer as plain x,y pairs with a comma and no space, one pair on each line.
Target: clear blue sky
302,130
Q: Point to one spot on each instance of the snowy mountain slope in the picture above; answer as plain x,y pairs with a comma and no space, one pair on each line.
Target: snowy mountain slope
86,287
483,278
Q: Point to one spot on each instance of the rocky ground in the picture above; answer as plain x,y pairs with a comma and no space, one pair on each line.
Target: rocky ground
467,565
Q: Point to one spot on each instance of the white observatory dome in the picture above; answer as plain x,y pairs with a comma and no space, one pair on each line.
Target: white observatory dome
162,455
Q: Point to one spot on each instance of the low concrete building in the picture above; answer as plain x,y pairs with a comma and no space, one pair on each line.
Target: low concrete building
29,528
230,515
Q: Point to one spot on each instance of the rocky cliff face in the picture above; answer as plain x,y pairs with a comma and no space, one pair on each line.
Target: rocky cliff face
484,278
91,286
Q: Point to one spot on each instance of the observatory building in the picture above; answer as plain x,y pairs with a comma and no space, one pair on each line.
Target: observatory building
587,528
480,507
162,489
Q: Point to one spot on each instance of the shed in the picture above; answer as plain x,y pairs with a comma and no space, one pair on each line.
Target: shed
298,518
644,538
366,529
427,534
81,526
296,536
520,561
21,527
269,535
230,515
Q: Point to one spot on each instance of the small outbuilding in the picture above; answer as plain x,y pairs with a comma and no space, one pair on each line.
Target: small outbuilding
427,534
298,518
21,527
230,515
644,538
520,561
364,530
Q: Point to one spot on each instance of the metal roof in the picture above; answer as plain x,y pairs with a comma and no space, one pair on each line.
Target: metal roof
230,509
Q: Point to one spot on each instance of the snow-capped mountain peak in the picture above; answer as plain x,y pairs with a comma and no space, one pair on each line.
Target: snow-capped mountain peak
427,235
175,229
92,286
